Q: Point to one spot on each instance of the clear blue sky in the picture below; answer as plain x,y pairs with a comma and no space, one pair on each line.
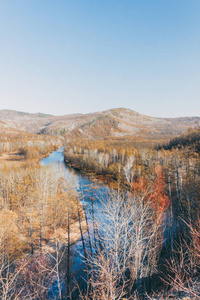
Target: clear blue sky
78,56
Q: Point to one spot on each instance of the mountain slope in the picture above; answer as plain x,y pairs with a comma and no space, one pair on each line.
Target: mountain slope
115,123
190,140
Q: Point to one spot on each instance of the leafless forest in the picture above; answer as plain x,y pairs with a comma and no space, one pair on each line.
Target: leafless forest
145,244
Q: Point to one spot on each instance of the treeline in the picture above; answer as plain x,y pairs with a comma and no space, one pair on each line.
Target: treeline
129,165
31,146
166,184
189,141
105,157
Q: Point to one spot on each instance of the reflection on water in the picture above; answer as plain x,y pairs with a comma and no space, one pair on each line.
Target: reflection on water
87,190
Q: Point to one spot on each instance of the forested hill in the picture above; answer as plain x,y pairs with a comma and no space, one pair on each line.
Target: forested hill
113,123
190,140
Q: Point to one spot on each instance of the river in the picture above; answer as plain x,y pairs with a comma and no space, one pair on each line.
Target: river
87,189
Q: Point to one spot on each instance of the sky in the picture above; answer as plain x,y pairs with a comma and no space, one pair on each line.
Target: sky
81,56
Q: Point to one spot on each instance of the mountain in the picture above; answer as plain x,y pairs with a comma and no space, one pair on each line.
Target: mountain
23,121
115,123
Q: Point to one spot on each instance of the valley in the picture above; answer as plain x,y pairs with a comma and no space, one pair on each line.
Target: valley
104,203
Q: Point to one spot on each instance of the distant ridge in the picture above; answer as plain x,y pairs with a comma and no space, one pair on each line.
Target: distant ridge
112,123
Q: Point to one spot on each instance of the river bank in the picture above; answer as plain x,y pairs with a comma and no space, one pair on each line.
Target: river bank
19,157
10,159
16,161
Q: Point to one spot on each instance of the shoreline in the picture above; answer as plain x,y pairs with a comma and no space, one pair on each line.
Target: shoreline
15,159
105,179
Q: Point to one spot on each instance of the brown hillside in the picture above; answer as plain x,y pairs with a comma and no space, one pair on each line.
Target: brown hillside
115,123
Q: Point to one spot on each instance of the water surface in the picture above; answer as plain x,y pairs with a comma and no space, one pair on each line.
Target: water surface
91,196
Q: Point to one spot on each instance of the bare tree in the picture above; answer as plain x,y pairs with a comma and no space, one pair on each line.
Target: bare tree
131,247
183,275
